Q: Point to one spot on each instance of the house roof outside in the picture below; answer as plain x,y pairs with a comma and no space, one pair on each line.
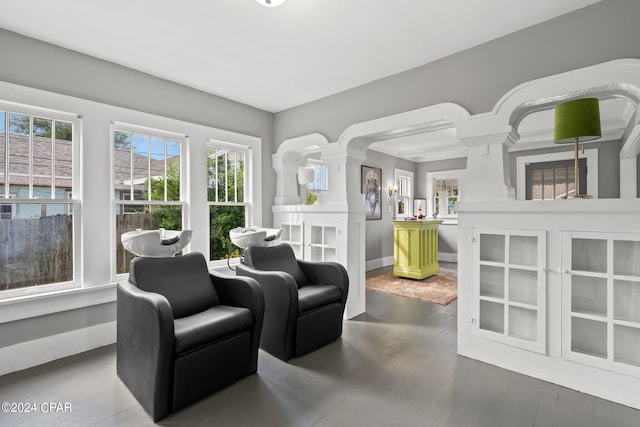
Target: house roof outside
42,164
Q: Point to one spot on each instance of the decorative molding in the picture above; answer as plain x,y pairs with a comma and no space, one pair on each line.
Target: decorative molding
47,303
36,352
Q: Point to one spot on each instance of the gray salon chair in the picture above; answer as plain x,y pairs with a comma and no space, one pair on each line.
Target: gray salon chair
184,333
304,301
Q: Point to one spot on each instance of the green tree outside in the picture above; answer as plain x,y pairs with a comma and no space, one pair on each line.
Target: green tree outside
223,218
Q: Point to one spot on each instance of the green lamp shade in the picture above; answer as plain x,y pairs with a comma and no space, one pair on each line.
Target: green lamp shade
579,118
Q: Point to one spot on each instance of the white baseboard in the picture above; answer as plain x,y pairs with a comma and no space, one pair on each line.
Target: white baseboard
387,261
447,257
378,263
36,352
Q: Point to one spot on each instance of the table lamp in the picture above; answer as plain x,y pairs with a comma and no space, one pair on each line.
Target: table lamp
577,121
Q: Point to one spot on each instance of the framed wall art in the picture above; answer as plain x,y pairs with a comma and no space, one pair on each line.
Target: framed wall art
371,186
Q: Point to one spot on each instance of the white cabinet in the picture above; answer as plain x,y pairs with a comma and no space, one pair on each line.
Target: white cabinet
292,234
510,287
601,300
310,242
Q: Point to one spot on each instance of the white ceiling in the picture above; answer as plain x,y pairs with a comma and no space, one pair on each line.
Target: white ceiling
274,58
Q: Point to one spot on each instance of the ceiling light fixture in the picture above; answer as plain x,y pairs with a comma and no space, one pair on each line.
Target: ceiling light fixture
270,3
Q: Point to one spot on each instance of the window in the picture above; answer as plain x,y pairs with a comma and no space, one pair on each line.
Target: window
554,180
446,196
590,182
443,192
8,210
37,174
404,193
147,184
227,178
320,184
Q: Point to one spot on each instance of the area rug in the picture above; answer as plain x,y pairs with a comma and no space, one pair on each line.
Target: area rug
440,288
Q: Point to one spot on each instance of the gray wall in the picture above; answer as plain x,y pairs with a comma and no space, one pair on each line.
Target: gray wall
379,233
478,77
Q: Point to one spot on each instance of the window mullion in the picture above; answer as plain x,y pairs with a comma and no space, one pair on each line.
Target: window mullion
53,158
148,168
131,162
30,158
6,154
166,174
226,176
235,176
217,175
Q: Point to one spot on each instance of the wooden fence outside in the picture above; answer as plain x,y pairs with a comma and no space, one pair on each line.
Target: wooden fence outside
125,223
36,251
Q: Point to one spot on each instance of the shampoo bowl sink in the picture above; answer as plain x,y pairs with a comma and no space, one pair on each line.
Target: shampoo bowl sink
155,243
254,236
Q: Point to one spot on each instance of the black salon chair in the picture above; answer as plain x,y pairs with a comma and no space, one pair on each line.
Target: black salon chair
304,301
184,333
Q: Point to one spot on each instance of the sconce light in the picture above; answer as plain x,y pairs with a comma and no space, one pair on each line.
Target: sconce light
392,190
576,121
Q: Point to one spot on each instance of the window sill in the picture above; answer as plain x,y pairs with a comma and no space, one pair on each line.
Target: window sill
24,307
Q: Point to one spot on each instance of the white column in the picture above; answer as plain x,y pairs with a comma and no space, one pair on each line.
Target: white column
488,176
287,179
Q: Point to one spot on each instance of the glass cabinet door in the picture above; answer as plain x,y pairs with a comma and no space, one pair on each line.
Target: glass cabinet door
510,287
601,300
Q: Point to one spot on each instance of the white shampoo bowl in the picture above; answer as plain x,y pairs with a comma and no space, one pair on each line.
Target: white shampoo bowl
255,236
155,243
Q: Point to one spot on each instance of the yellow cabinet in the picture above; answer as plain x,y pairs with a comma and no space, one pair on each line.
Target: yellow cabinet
415,250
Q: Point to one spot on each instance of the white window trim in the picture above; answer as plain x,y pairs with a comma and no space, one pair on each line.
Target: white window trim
592,169
76,120
315,162
184,178
249,192
431,178
408,175
97,286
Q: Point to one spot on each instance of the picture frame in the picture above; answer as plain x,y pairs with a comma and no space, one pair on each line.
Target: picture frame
417,205
371,180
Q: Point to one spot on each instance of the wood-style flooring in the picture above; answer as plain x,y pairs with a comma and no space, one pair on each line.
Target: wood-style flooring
396,365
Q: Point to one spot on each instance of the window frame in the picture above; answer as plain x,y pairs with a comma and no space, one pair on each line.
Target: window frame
555,165
431,178
319,164
403,192
591,155
74,202
151,132
248,192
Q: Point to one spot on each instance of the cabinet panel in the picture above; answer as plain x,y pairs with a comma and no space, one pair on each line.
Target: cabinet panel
626,348
492,247
492,316
523,286
510,287
589,255
589,337
626,301
523,250
523,323
492,281
601,300
589,295
626,258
